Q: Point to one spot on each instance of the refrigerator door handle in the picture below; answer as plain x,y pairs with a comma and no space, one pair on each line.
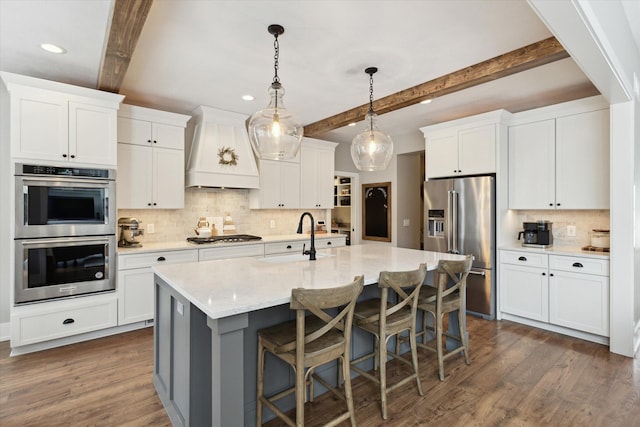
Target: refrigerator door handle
449,220
479,273
454,214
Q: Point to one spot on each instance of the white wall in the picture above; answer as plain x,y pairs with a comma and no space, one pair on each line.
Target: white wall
409,187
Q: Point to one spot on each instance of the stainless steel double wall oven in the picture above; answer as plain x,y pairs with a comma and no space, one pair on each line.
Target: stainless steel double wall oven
64,232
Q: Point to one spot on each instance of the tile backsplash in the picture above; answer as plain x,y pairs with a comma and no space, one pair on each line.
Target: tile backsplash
584,221
178,224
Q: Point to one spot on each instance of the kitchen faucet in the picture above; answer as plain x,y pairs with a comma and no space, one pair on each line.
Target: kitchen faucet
312,251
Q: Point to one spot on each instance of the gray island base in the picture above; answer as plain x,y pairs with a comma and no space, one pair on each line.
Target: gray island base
208,314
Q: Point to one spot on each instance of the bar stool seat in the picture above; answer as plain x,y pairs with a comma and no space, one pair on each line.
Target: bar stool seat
308,342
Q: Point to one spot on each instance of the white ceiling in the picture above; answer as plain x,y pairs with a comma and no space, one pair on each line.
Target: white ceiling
206,52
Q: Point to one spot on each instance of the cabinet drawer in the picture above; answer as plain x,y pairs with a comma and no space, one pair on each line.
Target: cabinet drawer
149,259
573,264
286,247
231,252
63,318
331,243
529,259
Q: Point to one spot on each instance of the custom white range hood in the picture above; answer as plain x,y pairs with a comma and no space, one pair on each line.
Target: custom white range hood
221,154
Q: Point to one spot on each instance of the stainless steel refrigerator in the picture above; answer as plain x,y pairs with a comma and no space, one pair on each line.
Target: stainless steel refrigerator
460,218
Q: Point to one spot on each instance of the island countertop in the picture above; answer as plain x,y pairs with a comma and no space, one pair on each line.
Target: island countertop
223,288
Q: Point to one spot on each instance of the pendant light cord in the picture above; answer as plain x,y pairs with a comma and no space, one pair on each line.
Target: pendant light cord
276,57
371,100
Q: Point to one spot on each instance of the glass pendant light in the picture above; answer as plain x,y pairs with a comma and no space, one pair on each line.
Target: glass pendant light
275,132
371,150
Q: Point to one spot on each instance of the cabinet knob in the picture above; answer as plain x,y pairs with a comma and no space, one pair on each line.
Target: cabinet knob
544,274
328,243
154,204
522,258
550,204
155,142
288,246
578,264
551,274
64,155
68,321
73,156
148,204
161,258
149,141
557,204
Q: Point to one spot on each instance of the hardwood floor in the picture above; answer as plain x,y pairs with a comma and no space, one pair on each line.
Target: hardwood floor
519,376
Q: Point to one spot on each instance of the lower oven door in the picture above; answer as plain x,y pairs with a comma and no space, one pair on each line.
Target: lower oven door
63,267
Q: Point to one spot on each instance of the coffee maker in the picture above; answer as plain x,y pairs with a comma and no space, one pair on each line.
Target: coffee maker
536,234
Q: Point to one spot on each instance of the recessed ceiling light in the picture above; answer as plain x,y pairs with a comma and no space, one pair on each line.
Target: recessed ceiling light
248,97
49,47
351,124
426,101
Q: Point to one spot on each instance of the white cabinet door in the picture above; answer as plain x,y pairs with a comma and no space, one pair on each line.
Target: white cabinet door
135,295
39,125
582,161
167,136
532,165
279,186
134,177
92,134
524,291
316,175
168,178
442,154
579,301
477,150
131,131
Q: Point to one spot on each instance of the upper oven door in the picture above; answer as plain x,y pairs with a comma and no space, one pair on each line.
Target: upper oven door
60,206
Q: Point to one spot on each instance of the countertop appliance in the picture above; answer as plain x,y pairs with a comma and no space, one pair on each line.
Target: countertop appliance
129,231
228,238
536,234
460,218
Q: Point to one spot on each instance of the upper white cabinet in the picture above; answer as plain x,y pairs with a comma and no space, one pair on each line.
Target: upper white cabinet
150,159
60,123
317,161
463,147
279,185
560,162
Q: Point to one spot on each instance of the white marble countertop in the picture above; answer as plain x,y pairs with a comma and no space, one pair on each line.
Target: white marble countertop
227,287
183,244
557,250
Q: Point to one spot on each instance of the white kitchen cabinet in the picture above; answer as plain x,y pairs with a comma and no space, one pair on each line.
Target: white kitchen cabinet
234,251
463,147
524,289
61,123
317,159
150,159
579,294
322,241
35,323
135,281
560,163
571,292
279,185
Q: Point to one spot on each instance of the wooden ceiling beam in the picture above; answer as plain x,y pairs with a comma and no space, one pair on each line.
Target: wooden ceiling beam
126,25
525,58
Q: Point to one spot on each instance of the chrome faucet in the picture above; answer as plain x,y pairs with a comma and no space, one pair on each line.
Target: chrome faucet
312,251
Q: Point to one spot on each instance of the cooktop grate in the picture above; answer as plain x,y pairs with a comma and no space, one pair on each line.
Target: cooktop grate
229,238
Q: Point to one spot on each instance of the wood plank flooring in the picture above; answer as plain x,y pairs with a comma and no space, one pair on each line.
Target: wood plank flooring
519,376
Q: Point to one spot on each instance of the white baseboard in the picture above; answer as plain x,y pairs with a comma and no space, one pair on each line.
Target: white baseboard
559,329
5,331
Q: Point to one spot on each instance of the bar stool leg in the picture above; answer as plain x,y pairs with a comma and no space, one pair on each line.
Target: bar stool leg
439,330
463,336
260,385
414,356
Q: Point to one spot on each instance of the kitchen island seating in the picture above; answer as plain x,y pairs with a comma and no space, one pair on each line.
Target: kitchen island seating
308,342
384,319
447,296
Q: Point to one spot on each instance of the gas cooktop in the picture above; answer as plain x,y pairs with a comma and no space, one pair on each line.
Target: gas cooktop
229,238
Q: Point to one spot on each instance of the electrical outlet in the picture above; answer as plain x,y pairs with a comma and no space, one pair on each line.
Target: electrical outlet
272,223
151,228
406,223
571,231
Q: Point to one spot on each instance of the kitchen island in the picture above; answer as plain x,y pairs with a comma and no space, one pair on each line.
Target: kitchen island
208,313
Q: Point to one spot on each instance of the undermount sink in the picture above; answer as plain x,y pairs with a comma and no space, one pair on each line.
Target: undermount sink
292,257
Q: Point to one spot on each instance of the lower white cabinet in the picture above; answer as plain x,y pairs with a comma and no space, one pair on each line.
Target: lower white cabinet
36,323
562,290
297,246
135,282
207,254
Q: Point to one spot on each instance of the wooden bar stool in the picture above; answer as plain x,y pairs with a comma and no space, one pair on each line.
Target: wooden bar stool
442,299
308,342
384,319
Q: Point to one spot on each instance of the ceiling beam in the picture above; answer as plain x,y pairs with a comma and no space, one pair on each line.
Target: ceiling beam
525,58
126,25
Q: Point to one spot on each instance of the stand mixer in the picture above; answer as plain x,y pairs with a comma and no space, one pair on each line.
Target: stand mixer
129,230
